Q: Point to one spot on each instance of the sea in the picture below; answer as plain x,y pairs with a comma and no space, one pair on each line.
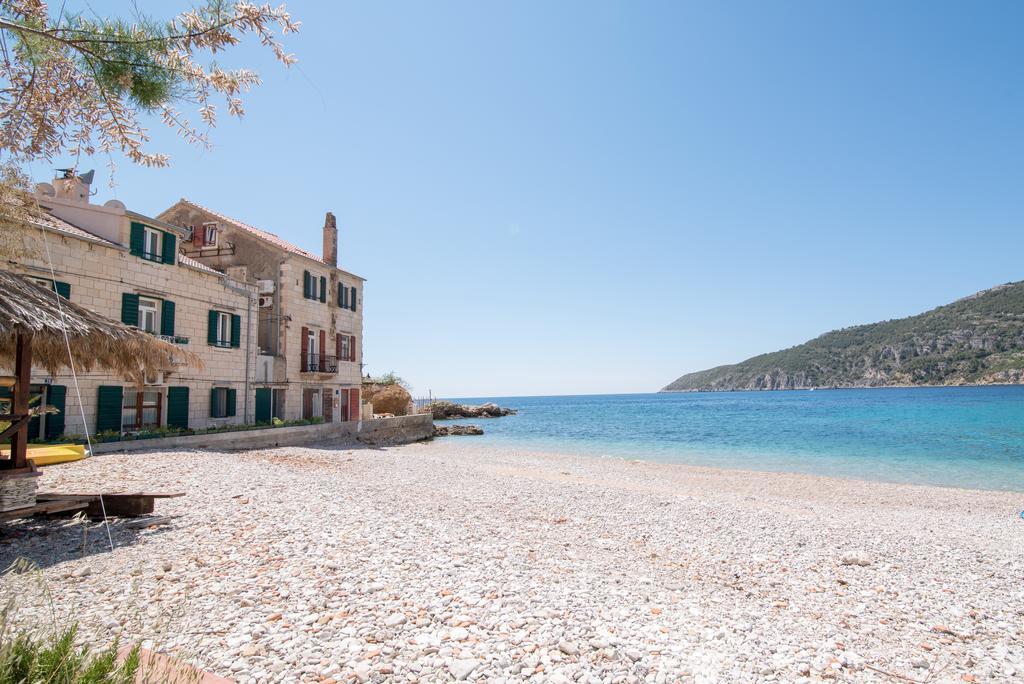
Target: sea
949,436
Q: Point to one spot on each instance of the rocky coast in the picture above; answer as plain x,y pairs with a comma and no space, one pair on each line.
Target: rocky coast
451,561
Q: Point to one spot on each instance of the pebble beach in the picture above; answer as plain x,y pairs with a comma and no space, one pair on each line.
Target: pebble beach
451,561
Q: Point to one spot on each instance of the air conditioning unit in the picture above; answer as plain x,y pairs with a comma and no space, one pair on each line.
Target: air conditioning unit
266,301
265,286
154,379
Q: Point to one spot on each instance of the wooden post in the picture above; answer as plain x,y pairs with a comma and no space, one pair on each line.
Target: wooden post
19,404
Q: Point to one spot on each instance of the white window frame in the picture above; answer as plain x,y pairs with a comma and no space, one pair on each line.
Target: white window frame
154,236
147,306
209,235
346,351
314,287
223,329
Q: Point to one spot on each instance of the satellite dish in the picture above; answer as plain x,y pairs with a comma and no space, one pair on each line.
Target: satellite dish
114,204
46,190
87,177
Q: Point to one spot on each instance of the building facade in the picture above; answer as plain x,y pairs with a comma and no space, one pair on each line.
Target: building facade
309,320
128,267
252,307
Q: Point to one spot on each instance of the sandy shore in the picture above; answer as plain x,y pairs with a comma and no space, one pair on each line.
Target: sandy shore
448,560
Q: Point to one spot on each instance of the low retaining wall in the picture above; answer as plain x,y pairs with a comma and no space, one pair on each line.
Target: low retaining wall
398,430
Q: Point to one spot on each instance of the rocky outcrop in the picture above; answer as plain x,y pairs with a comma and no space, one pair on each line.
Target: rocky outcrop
974,341
393,399
456,430
446,410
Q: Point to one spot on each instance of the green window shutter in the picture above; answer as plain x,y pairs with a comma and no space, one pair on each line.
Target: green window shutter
236,330
231,401
307,285
341,291
323,289
352,297
108,408
55,396
63,289
137,241
211,328
167,318
263,398
130,309
33,424
169,247
177,407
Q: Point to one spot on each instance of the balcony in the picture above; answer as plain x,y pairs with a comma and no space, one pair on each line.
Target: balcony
319,363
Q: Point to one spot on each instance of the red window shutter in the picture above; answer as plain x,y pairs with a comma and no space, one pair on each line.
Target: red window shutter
353,404
304,344
323,350
351,347
337,346
197,236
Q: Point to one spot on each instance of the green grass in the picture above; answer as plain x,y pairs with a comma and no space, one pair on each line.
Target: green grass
27,659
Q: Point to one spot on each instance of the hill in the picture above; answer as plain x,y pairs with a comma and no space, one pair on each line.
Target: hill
975,340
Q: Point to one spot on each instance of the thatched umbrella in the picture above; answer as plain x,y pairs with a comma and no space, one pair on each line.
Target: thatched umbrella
33,328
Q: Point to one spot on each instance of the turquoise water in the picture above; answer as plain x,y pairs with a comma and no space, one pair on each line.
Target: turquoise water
956,436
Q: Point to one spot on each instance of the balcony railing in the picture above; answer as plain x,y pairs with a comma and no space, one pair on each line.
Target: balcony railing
319,363
174,339
152,256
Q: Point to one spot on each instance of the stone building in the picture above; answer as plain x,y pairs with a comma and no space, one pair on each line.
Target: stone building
309,314
128,266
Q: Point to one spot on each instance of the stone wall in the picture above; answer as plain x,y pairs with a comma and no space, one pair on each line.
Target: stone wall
283,329
400,430
99,274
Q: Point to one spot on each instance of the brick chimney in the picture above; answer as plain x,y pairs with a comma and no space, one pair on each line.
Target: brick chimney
330,240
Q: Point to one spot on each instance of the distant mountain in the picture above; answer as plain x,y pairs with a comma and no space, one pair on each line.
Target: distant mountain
975,340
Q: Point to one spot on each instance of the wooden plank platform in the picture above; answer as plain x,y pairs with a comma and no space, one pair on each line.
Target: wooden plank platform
116,504
45,508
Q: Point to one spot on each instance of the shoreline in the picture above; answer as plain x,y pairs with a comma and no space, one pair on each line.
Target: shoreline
715,476
492,442
837,387
453,560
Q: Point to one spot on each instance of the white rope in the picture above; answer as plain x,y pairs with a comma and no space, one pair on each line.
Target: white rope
74,374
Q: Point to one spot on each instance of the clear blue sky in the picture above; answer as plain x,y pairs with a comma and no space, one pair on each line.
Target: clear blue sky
588,197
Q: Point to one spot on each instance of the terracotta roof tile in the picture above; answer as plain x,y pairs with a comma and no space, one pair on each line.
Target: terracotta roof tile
262,234
189,261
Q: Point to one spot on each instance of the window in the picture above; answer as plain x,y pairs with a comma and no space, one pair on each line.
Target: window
63,289
223,329
312,350
151,244
209,234
314,286
148,309
219,402
140,410
345,349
